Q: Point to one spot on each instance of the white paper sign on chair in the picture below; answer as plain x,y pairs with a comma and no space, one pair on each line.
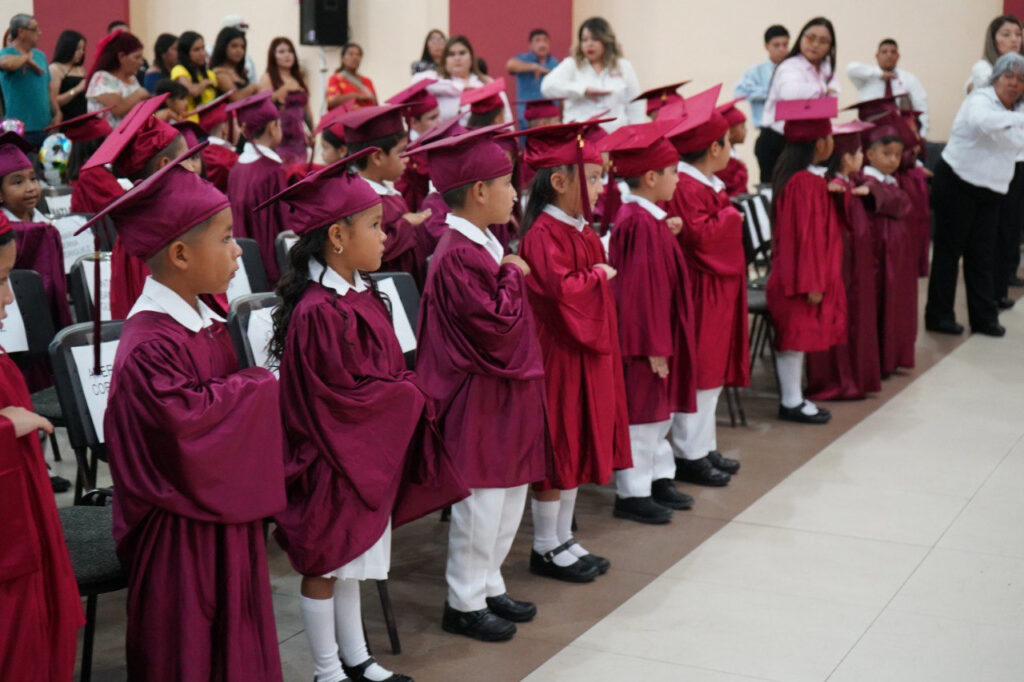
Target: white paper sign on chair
13,338
403,330
239,285
90,280
259,331
74,246
96,387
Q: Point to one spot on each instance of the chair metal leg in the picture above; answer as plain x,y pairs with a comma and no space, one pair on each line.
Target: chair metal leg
728,404
739,405
54,447
87,638
575,526
389,616
83,481
446,514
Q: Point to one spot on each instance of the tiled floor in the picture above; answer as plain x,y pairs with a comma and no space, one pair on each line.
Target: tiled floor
884,546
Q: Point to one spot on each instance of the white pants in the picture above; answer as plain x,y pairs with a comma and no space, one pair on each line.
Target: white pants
693,435
652,458
483,527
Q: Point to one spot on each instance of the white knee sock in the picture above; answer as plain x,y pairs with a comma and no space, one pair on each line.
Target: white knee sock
566,509
791,373
318,619
545,530
348,618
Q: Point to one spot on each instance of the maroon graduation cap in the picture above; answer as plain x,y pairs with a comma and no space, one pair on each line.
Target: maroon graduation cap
636,149
417,98
13,150
890,124
213,113
870,108
191,131
661,96
254,112
466,158
699,124
733,115
85,128
366,124
136,139
806,119
847,136
484,99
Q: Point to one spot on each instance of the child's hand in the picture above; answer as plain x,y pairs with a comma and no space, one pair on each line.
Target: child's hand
814,298
24,421
675,223
518,262
659,365
861,191
927,173
609,271
836,187
416,219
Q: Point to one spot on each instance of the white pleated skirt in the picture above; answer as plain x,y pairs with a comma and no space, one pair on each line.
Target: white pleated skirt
373,564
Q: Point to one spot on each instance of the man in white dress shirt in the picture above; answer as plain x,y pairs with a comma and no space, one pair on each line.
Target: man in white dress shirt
873,82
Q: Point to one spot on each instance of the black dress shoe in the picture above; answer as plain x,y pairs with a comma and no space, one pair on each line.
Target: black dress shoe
357,673
599,562
944,327
579,571
990,330
723,463
1005,303
796,414
510,609
702,472
664,493
60,484
642,510
483,624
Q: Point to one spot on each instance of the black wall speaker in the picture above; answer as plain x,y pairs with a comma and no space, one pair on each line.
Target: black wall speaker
323,22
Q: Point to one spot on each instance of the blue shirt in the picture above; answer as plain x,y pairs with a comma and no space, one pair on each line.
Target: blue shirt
527,84
27,93
754,86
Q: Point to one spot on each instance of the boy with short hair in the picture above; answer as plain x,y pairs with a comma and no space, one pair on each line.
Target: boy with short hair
734,175
195,448
530,68
219,157
712,241
754,86
479,358
421,114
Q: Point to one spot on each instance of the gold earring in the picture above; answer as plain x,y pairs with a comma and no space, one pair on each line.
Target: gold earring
339,249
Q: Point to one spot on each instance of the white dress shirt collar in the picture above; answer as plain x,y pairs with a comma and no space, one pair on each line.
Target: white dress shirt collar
820,171
254,152
221,142
332,280
713,182
380,188
159,298
873,172
647,204
37,216
558,214
484,238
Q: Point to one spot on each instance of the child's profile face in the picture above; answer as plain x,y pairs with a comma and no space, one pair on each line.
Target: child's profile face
213,255
823,149
422,124
178,105
885,157
852,163
20,191
738,133
545,121
330,152
499,196
7,255
592,175
665,181
392,165
275,133
719,155
361,240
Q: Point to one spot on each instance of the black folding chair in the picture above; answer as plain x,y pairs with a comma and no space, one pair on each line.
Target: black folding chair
88,533
757,234
409,303
282,243
253,261
85,441
39,332
243,311
81,292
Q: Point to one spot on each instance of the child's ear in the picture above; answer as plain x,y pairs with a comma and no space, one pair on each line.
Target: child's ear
178,255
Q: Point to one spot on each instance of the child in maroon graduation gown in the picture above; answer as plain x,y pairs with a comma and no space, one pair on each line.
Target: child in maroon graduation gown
257,176
734,175
480,360
712,241
913,178
363,452
195,449
850,370
421,114
805,291
656,326
896,244
219,157
577,326
40,610
435,226
382,128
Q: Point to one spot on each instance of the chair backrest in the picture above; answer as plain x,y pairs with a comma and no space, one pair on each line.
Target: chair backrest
282,243
405,308
250,325
74,246
34,311
251,278
58,201
82,286
83,395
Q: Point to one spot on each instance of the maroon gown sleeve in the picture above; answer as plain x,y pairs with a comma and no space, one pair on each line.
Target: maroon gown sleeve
643,290
712,232
204,451
579,297
889,200
95,189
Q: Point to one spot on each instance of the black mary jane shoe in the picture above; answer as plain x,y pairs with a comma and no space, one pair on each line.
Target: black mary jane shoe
796,414
599,562
512,610
723,463
357,673
701,472
484,625
996,330
664,492
580,571
641,510
60,484
945,327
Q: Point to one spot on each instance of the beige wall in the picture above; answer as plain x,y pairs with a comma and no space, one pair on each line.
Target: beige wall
712,42
391,32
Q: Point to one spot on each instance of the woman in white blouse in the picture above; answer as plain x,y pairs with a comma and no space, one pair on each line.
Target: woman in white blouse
970,184
807,73
112,82
1002,36
457,72
596,79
